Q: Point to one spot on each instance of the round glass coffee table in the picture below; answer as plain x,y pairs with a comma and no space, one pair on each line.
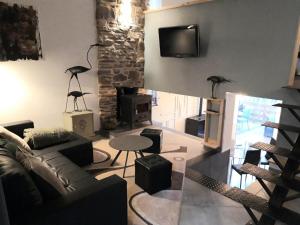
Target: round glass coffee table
129,143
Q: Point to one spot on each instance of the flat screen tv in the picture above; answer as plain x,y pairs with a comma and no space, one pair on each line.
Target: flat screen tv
180,41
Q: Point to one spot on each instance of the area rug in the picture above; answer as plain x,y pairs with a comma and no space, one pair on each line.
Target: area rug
100,156
161,208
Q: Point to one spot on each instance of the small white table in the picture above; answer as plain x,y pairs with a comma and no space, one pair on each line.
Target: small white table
129,143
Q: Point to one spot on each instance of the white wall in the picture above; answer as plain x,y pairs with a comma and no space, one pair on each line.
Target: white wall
36,90
173,109
228,138
248,42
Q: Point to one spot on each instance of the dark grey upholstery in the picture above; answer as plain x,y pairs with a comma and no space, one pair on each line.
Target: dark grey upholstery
84,200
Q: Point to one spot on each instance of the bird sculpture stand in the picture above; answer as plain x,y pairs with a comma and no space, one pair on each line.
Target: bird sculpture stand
216,80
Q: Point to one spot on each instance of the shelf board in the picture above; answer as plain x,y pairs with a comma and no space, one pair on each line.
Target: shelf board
211,143
270,177
281,126
276,150
215,100
212,112
288,106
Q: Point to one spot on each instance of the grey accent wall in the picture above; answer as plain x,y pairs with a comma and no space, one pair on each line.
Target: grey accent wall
249,42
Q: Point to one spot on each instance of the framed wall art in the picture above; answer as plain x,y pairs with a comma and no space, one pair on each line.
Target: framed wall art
19,33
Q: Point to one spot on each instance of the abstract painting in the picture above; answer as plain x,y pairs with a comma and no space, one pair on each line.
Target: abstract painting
19,34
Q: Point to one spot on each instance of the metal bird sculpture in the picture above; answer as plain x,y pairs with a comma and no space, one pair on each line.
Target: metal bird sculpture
75,70
77,94
216,80
81,69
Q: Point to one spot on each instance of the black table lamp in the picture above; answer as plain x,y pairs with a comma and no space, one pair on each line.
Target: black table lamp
75,70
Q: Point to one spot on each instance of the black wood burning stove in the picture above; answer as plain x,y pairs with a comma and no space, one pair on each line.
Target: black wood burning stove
132,107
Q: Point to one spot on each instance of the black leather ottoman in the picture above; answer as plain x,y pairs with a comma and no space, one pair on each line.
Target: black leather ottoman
153,173
156,136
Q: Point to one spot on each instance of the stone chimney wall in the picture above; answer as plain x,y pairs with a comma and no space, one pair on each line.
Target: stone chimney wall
121,58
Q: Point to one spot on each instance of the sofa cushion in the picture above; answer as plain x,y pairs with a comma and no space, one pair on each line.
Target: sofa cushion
41,138
48,179
20,191
22,145
77,177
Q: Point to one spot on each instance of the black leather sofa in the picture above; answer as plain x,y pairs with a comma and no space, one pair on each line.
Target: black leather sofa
85,200
79,150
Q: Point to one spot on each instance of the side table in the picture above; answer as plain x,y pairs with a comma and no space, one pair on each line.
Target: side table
80,122
129,143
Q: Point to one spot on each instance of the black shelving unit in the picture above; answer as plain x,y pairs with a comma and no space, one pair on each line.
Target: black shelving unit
284,181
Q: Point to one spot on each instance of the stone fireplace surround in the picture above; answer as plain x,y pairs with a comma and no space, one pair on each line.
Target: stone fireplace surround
121,56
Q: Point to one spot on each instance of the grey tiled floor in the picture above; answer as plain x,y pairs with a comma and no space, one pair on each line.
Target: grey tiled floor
200,206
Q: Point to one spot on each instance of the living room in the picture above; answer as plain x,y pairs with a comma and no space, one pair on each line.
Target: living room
253,44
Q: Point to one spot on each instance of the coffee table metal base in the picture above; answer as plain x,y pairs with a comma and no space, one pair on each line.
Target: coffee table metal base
127,153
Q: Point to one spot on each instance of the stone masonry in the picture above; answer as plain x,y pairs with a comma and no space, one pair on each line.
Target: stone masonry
121,56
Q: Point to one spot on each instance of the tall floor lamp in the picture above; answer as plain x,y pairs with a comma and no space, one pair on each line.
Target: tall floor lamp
75,70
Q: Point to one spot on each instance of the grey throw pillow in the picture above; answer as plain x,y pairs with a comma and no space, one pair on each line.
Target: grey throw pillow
41,138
